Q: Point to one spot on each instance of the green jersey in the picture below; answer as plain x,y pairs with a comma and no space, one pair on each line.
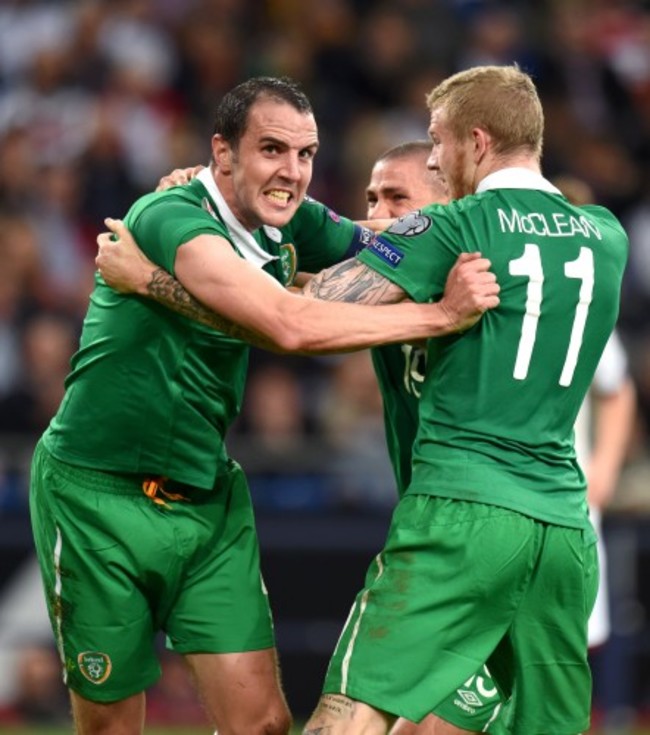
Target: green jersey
400,374
499,402
151,391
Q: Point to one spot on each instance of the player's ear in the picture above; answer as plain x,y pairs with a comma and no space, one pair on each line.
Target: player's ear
222,153
482,141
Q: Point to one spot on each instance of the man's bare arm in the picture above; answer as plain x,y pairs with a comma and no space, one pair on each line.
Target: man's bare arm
468,283
354,282
233,288
169,292
471,287
614,423
127,269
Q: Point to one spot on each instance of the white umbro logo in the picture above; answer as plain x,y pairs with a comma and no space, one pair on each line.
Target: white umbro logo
469,698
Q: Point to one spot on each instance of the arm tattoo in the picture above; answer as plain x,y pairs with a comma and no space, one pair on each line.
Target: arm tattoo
354,282
169,292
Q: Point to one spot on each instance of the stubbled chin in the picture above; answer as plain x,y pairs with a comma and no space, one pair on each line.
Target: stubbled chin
279,215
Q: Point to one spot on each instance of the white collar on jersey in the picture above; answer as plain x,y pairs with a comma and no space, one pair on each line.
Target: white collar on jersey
516,178
243,239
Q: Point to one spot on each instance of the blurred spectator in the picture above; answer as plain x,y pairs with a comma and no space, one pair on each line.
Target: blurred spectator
28,27
495,36
65,238
173,700
635,305
41,698
56,114
274,414
106,185
637,223
353,422
48,342
280,437
210,63
21,283
581,91
18,167
31,686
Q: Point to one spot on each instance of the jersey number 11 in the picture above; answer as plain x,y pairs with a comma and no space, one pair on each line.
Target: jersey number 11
530,266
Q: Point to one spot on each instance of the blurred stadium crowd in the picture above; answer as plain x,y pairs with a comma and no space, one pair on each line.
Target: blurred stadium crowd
100,98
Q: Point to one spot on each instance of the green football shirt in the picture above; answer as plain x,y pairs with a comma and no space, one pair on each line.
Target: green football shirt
400,373
151,391
499,402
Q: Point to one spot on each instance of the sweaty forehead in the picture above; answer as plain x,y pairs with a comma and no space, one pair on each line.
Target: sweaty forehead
437,119
398,172
277,119
407,176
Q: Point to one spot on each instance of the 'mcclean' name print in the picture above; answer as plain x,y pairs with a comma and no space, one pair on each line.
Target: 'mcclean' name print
557,224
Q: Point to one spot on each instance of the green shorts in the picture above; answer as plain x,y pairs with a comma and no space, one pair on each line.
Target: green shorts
117,568
475,705
462,584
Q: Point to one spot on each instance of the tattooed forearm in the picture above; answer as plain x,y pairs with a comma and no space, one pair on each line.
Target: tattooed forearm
354,282
166,290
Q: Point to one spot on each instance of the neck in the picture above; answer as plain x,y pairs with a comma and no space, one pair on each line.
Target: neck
531,163
224,183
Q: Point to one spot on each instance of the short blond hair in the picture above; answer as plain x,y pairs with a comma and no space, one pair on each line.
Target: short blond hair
502,100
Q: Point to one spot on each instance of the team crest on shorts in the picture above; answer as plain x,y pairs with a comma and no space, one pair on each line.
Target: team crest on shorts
95,666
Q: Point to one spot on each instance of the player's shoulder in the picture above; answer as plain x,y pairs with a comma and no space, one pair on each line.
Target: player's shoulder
602,214
160,199
455,208
314,211
444,216
178,203
192,195
313,219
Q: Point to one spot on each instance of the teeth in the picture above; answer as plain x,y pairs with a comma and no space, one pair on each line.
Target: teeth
280,196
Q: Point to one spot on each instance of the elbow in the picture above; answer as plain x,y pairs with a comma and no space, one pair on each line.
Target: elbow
291,333
289,340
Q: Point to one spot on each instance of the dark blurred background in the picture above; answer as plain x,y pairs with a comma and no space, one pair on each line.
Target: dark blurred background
100,98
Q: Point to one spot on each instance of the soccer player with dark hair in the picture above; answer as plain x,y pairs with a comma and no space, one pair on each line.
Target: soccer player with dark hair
142,522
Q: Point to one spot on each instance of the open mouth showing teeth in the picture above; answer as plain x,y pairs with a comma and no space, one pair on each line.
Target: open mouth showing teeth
280,197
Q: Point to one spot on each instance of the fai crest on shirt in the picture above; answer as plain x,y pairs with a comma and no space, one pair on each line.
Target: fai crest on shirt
414,223
288,262
95,666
